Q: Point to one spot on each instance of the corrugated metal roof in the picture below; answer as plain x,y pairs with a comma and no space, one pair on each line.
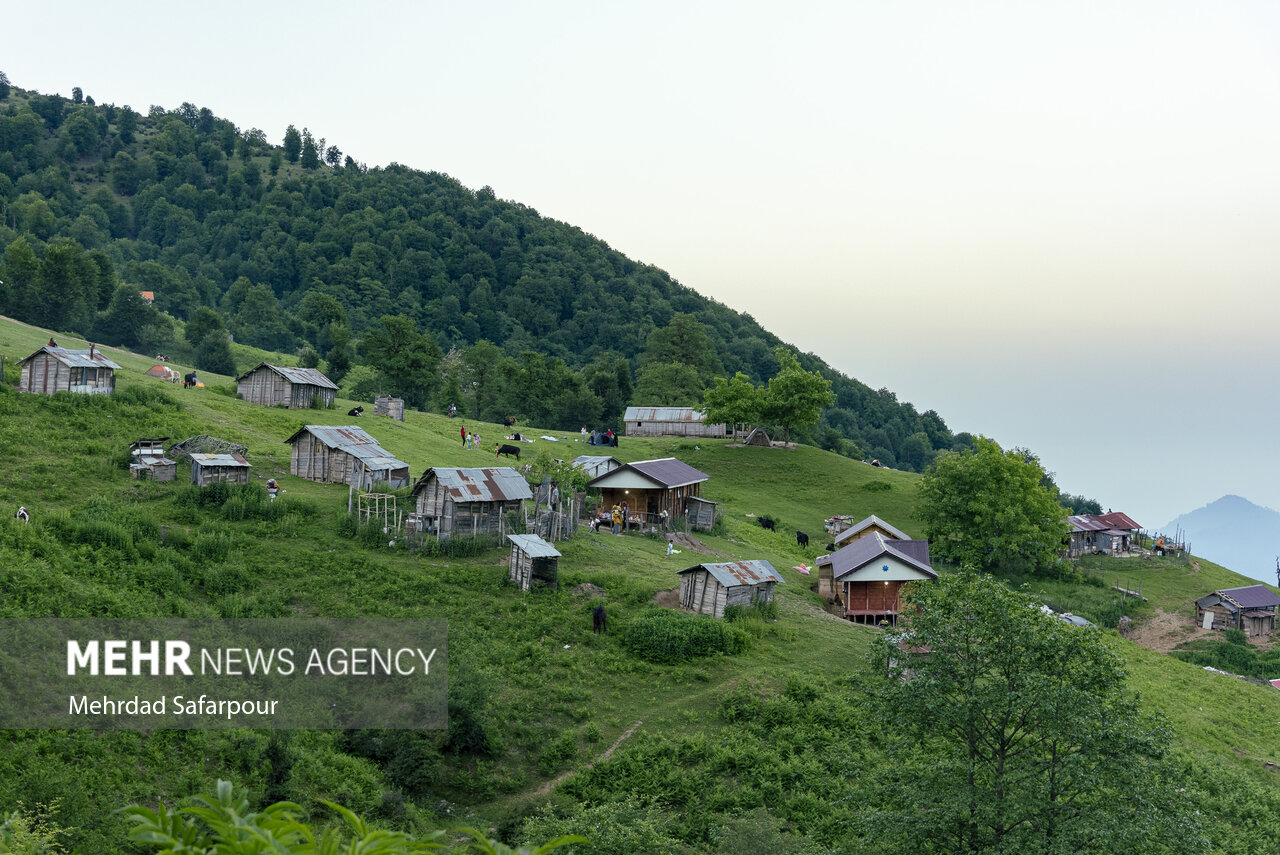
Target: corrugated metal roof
734,573
205,459
352,440
1251,596
873,520
668,471
535,546
663,414
863,551
490,484
305,376
75,358
596,466
1117,520
1086,522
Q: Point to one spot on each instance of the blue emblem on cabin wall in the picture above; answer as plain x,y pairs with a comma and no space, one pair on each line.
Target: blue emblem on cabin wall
885,568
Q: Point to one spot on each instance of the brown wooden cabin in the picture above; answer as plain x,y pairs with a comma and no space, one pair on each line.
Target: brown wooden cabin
670,421
211,468
650,487
1112,533
451,502
870,572
845,532
534,562
1251,609
344,454
711,588
56,369
295,388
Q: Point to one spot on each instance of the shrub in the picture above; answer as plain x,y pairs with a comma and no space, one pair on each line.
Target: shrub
663,636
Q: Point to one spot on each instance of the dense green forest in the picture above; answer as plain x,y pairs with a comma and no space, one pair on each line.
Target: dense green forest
389,279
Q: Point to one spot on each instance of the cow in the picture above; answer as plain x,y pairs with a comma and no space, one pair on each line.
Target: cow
22,515
356,411
766,522
831,547
189,380
509,421
509,450
599,620
802,539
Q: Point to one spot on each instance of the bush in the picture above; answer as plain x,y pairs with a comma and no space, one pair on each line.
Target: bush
665,637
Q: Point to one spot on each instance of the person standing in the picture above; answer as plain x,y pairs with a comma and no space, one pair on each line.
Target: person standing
463,432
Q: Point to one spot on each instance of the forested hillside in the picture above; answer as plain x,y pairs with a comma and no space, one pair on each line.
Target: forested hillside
388,279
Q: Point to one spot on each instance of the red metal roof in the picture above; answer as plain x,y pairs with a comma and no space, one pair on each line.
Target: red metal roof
1118,520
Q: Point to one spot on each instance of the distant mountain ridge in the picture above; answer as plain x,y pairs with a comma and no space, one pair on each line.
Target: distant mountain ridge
1236,533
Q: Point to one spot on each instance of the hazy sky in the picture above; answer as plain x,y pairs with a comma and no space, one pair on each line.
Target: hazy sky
1057,224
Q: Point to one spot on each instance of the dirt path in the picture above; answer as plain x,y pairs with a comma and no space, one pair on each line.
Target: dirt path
551,785
1166,630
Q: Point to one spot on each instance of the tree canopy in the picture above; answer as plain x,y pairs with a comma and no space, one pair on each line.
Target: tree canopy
1009,730
988,508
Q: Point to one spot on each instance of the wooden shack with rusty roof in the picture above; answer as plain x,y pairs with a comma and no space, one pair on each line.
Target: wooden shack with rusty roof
449,502
344,454
285,386
709,588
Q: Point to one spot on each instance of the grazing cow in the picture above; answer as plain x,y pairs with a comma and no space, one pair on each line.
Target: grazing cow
766,522
509,450
189,380
356,411
599,620
22,515
802,539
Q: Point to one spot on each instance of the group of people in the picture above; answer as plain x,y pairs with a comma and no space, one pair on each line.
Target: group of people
469,440
595,437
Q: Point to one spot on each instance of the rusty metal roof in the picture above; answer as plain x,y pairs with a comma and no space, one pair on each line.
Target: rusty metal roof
490,484
533,545
218,459
864,550
734,573
304,376
75,358
1086,522
1117,520
663,414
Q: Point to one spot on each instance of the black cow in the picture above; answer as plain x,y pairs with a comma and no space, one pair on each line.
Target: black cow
509,421
356,411
189,380
599,619
802,539
765,522
831,547
508,450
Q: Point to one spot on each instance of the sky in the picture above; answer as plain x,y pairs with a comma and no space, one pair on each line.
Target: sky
1056,224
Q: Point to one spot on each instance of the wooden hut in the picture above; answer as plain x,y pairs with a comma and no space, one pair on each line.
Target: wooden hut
650,487
209,469
1251,609
670,421
387,406
149,461
56,369
1112,533
295,388
700,513
344,454
534,562
451,502
846,531
710,588
595,466
869,574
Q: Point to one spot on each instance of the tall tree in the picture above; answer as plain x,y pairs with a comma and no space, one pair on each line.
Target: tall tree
989,508
795,398
292,144
735,401
310,157
409,360
1009,730
669,384
684,340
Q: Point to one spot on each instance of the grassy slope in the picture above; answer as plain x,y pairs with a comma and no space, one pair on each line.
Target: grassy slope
59,458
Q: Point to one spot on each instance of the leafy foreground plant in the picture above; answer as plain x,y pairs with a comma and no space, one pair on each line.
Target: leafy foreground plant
224,825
